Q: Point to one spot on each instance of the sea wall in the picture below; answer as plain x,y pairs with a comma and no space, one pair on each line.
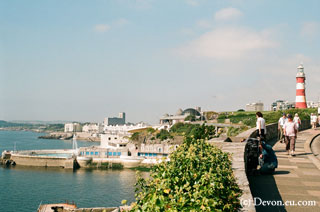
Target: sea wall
25,158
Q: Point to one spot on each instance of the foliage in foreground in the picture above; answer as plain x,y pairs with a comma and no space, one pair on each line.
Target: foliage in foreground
197,178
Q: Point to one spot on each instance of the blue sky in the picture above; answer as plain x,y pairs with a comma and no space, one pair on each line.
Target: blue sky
86,60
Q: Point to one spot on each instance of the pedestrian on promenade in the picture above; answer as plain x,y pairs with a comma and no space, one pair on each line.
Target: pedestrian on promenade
261,126
297,120
281,123
313,120
290,130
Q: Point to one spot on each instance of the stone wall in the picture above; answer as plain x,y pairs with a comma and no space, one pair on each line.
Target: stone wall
25,160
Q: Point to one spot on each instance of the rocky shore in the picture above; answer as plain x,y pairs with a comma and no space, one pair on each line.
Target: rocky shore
67,136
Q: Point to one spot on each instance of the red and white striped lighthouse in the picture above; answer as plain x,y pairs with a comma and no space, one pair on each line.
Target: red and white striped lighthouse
300,88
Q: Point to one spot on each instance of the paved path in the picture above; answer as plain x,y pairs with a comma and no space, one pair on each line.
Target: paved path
296,179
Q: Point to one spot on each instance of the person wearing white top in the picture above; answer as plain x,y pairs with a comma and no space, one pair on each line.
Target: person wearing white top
261,126
281,123
297,120
313,120
290,131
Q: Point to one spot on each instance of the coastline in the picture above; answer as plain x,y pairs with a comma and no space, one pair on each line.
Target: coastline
49,134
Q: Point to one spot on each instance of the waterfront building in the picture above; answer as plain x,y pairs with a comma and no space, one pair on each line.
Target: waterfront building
300,88
180,116
120,120
258,106
114,140
124,128
93,128
72,127
115,145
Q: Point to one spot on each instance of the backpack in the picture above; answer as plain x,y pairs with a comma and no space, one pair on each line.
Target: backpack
251,155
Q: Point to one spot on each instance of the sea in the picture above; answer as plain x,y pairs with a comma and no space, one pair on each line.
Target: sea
25,188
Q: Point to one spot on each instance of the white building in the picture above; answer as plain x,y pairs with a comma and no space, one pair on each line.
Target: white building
180,116
72,127
114,140
93,128
123,128
282,105
312,104
257,106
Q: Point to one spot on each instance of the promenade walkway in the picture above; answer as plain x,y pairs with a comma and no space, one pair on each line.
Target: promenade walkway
296,179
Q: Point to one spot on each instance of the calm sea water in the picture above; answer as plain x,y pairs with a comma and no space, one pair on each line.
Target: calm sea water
24,188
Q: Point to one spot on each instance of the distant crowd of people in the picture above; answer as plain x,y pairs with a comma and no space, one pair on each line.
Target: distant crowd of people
288,127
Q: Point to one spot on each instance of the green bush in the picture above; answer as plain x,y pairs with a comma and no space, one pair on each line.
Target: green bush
181,128
135,136
150,130
163,135
192,129
190,118
198,177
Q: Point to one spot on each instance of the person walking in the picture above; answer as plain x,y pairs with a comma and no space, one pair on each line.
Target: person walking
297,120
290,131
281,123
313,120
261,126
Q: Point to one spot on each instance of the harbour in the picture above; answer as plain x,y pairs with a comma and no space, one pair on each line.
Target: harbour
27,186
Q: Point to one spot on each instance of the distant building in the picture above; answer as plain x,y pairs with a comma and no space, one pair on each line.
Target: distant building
312,104
255,106
72,127
124,128
93,128
282,105
180,116
120,120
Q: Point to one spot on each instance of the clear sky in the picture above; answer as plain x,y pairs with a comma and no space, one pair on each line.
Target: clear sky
85,60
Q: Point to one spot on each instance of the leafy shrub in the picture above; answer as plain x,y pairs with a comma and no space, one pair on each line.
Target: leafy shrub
198,177
181,128
190,118
150,130
192,129
163,135
135,136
